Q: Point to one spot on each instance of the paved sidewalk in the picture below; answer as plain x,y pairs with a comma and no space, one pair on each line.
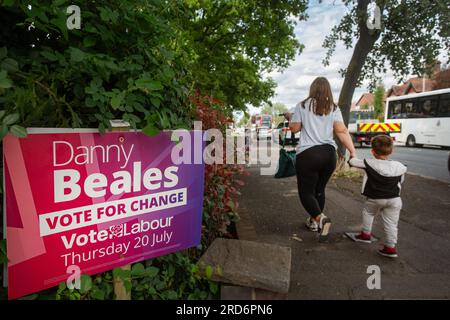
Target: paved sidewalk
271,212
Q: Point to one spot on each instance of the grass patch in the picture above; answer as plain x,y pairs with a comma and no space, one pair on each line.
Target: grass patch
348,173
343,170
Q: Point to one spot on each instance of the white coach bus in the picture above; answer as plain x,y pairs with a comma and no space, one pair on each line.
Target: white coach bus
425,118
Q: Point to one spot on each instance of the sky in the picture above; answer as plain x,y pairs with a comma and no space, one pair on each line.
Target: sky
293,82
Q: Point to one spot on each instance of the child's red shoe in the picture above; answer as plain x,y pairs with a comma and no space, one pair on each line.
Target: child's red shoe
388,252
364,237
360,237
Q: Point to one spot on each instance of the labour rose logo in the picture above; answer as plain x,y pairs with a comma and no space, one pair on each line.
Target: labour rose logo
116,231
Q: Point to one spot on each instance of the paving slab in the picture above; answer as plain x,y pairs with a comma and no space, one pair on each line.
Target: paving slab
249,264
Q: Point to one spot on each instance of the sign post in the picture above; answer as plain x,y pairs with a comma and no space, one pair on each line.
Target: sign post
120,290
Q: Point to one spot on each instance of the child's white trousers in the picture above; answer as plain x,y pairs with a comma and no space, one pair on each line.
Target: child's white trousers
390,213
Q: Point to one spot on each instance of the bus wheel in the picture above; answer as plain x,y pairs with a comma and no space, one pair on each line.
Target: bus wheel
411,141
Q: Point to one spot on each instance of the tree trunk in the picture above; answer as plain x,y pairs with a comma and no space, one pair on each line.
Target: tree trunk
364,45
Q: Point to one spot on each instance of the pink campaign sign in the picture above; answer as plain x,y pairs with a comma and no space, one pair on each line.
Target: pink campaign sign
97,202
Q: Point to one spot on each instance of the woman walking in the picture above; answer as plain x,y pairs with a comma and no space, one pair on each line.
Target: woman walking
317,117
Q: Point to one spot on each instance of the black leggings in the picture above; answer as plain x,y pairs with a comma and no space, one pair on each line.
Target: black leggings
314,168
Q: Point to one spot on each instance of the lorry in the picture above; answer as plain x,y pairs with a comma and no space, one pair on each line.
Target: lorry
363,127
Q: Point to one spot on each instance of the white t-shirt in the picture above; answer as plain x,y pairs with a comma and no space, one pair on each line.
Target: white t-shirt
316,129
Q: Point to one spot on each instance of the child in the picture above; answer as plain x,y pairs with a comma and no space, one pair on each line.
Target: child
381,185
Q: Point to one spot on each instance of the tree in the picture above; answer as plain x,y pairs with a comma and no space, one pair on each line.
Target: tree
243,121
378,102
229,44
411,35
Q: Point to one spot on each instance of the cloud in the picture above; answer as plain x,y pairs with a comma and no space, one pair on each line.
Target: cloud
293,83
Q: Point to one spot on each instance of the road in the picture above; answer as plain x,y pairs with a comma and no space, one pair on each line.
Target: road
427,161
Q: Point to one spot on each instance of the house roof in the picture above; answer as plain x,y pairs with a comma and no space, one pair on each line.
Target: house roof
413,85
365,99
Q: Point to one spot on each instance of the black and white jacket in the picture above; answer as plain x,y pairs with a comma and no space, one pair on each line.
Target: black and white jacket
382,178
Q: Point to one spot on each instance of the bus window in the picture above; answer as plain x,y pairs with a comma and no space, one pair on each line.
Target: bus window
429,107
412,109
444,106
395,111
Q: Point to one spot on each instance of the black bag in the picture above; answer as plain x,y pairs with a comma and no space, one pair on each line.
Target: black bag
286,164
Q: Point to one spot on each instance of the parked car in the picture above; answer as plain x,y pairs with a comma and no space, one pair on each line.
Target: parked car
283,134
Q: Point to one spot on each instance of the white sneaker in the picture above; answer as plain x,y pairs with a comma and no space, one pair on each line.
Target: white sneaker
324,227
312,225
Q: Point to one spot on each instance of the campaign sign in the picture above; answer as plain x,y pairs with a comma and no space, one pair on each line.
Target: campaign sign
96,202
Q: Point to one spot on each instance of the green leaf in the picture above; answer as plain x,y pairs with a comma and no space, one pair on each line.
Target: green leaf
18,131
151,271
90,103
8,3
5,82
2,113
89,41
117,273
76,55
209,272
57,3
129,108
3,258
155,101
214,287
172,295
49,55
3,52
3,255
11,119
101,128
137,269
151,130
60,23
62,286
42,16
85,283
74,295
127,285
3,131
3,246
150,84
98,294
116,101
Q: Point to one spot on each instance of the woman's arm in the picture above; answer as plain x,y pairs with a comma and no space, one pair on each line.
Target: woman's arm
344,136
295,126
